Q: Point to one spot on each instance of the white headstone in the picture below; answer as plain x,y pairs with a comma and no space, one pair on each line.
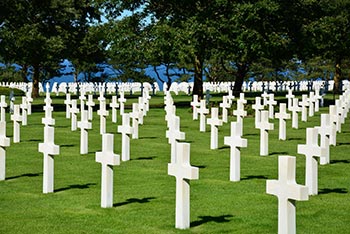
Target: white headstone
214,122
202,112
326,130
264,127
4,142
282,116
84,126
3,106
257,107
183,172
311,104
240,113
287,191
48,120
24,107
295,109
195,104
174,134
135,115
304,104
29,103
68,102
290,97
108,159
235,141
74,111
271,103
121,100
103,113
114,105
334,121
125,129
16,118
225,105
90,104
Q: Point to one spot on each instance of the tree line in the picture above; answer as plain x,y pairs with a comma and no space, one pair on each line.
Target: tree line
222,40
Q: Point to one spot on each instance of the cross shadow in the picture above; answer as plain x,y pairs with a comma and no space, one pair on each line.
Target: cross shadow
68,145
340,161
145,158
134,200
75,186
200,166
335,190
34,140
279,153
147,137
253,177
207,219
294,139
343,143
224,147
250,134
24,175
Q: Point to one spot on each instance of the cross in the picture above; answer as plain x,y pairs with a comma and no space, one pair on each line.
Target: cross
334,120
287,191
214,122
326,130
101,97
265,96
183,172
84,126
311,150
295,109
257,107
241,98
16,118
174,134
49,149
67,102
290,97
135,115
24,107
230,96
318,97
102,112
3,106
264,127
29,103
195,104
48,120
271,103
311,104
225,105
282,116
4,142
202,112
47,99
114,105
90,104
125,129
240,113
121,100
82,99
235,141
170,112
108,159
304,104
142,108
74,111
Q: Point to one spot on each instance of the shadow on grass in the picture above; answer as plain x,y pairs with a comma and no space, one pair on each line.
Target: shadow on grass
199,166
134,200
147,137
224,147
295,139
335,190
144,158
207,219
343,143
34,140
68,145
250,134
75,186
279,153
253,177
24,175
340,161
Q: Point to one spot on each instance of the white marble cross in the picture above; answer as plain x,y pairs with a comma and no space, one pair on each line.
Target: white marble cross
241,98
282,115
48,120
264,127
103,113
295,109
16,118
108,159
24,107
4,142
334,120
195,104
84,126
121,100
325,130
311,150
287,191
290,97
74,111
183,172
90,104
3,106
225,105
48,99
271,103
265,97
135,115
311,104
235,141
49,149
174,134
29,102
170,113
125,129
202,112
214,122
257,107
114,105
240,113
68,102
304,104
142,109
82,99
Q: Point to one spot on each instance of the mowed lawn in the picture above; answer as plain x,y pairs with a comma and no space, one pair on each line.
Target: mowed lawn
144,194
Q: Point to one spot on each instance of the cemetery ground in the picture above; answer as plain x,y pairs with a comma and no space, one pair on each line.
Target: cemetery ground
144,194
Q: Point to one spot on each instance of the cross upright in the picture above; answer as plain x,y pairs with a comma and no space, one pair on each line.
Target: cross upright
103,113
170,113
142,108
174,134
241,98
295,109
82,99
287,191
240,113
264,127
114,105
235,141
183,172
311,104
68,102
121,100
24,107
108,159
4,142
125,129
230,96
290,97
195,104
225,105
257,107
74,111
304,104
311,150
202,112
84,126
3,106
49,149
326,130
265,97
334,121
90,104
47,99
29,103
271,103
282,116
48,120
135,115
214,122
16,118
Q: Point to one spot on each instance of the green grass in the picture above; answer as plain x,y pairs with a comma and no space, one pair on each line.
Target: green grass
144,195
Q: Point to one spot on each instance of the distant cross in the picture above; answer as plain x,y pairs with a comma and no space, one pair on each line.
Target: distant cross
4,142
287,191
125,129
334,121
240,113
311,104
304,104
84,126
48,120
264,127
135,115
202,112
16,118
90,104
3,106
174,134
326,130
24,108
103,113
257,107
121,100
265,97
295,109
114,105
214,122
195,104
68,102
282,116
108,159
183,172
225,105
290,97
74,111
271,103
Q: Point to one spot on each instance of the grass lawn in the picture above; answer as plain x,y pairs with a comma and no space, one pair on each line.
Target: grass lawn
144,195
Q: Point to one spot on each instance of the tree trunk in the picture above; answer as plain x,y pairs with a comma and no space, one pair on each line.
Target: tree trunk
337,77
24,73
198,77
35,89
242,70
